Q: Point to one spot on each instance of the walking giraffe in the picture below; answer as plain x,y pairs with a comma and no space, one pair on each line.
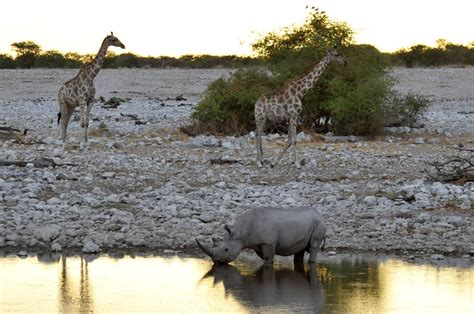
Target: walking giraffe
80,91
285,104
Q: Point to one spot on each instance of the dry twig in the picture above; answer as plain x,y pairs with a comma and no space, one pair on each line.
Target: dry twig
457,169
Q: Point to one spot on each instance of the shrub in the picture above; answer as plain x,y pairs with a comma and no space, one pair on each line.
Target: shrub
227,106
404,111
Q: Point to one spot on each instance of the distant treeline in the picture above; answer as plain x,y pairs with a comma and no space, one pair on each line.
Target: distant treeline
445,53
30,55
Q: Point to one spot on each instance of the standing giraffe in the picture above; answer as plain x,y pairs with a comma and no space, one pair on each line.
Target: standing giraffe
285,104
80,91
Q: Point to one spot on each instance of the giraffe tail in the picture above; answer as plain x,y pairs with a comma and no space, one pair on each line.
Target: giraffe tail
59,117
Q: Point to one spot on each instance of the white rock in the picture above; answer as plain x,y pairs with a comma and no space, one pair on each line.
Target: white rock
56,247
439,189
370,200
220,185
422,200
58,152
54,201
22,254
419,140
108,175
90,247
303,137
48,233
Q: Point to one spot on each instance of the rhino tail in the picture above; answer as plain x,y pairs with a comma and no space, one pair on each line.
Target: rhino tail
59,117
324,243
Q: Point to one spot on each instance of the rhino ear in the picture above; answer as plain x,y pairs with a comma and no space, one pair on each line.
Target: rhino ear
230,230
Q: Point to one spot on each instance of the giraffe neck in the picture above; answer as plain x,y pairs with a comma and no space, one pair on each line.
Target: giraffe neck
306,82
93,68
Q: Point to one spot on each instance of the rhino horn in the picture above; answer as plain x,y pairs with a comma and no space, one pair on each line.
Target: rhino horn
205,249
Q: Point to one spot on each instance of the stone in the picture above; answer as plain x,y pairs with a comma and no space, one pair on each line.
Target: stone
303,137
170,252
23,254
56,247
439,189
90,247
108,175
419,140
220,185
206,218
437,256
47,233
370,200
422,200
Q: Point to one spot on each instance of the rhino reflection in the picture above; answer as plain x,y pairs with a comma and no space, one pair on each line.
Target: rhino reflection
270,288
48,258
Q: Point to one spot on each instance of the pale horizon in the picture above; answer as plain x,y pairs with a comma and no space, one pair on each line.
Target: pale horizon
185,27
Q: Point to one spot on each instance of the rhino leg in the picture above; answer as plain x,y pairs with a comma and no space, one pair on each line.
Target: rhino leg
313,250
299,257
268,252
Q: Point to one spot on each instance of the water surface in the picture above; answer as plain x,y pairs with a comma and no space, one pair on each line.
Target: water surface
351,284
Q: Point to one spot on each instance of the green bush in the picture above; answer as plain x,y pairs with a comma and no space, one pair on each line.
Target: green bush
352,98
404,110
227,106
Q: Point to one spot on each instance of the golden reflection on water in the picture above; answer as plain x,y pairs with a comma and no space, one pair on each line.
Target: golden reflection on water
427,289
188,285
165,285
395,286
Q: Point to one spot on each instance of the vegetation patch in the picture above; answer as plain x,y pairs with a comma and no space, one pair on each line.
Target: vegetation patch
353,100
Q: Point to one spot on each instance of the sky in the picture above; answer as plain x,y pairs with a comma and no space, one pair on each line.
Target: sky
220,27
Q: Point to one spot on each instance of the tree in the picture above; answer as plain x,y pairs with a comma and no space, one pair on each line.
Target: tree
351,97
6,62
26,53
50,59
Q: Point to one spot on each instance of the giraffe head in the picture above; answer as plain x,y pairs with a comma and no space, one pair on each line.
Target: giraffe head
114,41
335,56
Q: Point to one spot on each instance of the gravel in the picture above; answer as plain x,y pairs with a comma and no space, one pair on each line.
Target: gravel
151,186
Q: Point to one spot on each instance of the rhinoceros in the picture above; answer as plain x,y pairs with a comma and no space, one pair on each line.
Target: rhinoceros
269,231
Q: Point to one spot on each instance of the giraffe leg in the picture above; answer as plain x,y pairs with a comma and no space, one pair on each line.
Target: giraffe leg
259,145
283,151
293,144
291,135
65,112
86,120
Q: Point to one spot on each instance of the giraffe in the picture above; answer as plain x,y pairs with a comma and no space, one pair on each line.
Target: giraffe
80,91
285,104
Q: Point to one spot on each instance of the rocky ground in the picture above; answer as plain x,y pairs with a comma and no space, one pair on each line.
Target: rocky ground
142,184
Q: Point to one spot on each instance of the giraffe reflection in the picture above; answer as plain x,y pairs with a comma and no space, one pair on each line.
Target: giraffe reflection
271,288
75,299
